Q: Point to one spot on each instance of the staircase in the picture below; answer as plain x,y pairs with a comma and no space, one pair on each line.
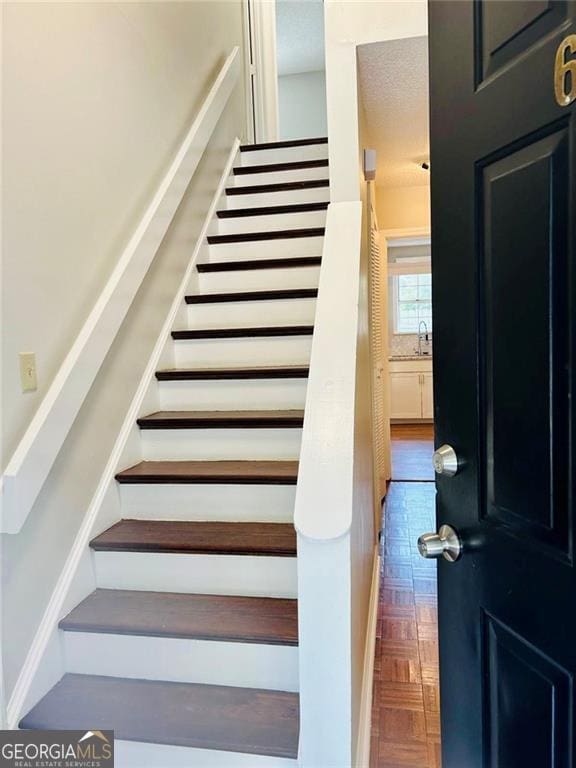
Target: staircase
188,648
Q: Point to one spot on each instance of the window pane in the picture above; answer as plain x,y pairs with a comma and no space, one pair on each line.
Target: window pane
413,302
408,292
424,292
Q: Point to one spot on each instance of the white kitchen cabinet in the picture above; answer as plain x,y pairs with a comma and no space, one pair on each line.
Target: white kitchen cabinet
411,389
405,396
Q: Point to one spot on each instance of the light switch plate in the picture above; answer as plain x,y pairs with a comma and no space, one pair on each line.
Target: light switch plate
28,371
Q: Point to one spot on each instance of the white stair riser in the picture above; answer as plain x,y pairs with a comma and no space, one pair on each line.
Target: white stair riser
248,665
251,576
136,754
259,279
200,353
243,314
217,502
214,444
232,395
271,222
284,155
267,249
279,177
284,197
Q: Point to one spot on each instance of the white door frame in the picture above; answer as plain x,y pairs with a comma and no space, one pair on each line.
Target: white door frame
248,72
421,235
263,69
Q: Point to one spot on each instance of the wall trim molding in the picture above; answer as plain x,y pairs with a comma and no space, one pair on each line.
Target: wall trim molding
33,458
49,623
365,720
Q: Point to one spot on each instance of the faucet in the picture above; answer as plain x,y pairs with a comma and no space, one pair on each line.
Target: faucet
422,336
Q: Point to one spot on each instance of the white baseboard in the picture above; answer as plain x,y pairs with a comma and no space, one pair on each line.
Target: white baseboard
25,693
33,458
365,725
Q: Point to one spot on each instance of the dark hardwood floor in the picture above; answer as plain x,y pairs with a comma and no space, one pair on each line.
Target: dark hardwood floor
412,448
405,709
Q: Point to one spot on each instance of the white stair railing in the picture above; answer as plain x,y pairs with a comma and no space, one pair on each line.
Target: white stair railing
334,513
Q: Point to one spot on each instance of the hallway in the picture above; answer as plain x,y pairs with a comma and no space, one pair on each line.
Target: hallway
406,714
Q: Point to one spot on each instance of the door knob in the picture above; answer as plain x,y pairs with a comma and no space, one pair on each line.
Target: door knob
445,461
446,543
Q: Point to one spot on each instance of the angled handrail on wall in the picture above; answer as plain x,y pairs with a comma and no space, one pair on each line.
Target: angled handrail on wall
33,458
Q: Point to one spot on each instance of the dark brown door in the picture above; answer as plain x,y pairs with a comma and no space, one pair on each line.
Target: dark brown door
503,162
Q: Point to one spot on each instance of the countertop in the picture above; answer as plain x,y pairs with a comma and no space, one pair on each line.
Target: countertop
397,358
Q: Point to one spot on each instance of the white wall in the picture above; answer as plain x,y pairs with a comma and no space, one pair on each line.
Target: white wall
302,105
96,100
349,23
403,207
96,104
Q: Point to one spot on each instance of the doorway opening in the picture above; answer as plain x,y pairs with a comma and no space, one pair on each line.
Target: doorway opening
301,69
410,343
393,117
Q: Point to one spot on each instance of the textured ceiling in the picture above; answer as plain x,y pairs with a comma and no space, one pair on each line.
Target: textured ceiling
299,36
393,84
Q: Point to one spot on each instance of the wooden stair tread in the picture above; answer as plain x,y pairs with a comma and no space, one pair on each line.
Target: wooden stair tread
219,374
216,717
248,264
270,234
295,165
212,472
285,186
284,144
222,419
196,537
225,618
270,210
241,333
267,295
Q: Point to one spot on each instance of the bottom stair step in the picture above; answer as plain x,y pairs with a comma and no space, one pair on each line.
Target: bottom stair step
245,720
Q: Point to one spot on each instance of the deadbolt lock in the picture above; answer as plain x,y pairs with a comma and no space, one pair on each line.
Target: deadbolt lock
445,461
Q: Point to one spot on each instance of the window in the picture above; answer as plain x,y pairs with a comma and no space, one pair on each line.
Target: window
412,302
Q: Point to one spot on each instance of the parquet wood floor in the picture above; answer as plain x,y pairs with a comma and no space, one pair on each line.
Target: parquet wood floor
406,700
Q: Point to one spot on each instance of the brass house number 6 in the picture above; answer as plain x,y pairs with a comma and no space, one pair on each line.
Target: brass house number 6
565,72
